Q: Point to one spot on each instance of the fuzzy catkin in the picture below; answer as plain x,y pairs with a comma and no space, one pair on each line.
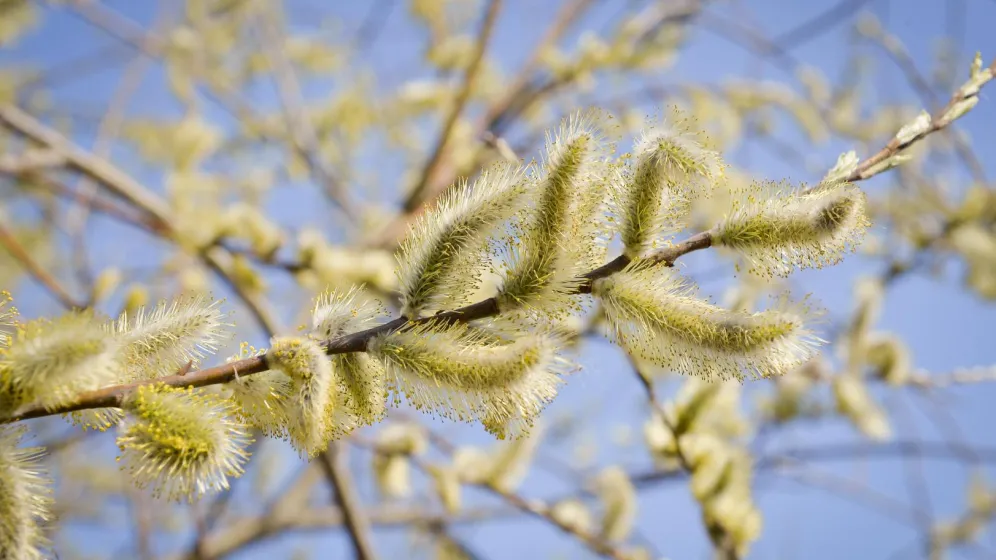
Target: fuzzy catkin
310,409
183,442
670,168
444,250
158,342
51,362
564,236
778,229
653,313
464,373
25,497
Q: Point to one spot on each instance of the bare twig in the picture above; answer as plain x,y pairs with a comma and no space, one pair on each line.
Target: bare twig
417,197
333,463
21,255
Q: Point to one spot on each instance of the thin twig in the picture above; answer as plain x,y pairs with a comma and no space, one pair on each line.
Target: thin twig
417,197
22,256
333,463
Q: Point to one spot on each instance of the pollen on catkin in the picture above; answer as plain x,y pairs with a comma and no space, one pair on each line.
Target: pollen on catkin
8,318
778,229
466,374
52,362
565,233
157,343
25,497
183,442
310,410
445,252
654,315
670,167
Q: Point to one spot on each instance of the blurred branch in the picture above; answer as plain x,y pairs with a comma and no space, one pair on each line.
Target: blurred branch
46,280
724,544
333,463
418,195
303,137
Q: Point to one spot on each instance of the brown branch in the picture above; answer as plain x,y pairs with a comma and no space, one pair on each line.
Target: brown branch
418,195
304,140
355,342
938,121
333,463
725,547
21,255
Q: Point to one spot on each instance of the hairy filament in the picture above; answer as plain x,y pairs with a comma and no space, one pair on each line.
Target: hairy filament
25,497
185,443
466,374
565,234
654,316
778,229
51,362
159,342
670,169
444,247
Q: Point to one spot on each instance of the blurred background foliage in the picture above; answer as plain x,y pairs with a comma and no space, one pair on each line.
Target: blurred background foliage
283,147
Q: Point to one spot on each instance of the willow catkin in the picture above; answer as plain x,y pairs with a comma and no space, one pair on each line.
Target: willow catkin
778,229
670,168
360,381
564,235
653,314
466,374
310,408
25,498
184,443
159,342
444,251
51,362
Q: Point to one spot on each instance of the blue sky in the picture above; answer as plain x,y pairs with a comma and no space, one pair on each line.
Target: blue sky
945,326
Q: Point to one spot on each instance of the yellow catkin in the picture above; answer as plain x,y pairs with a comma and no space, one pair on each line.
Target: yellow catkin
184,443
654,315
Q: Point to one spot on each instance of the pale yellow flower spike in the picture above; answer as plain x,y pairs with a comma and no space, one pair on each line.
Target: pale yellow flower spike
360,381
310,409
670,168
159,342
566,233
444,253
183,442
25,498
779,229
51,362
8,318
654,315
462,373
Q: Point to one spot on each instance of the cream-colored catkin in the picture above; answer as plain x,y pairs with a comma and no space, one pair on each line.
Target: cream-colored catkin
565,234
670,168
172,335
308,412
183,442
856,403
360,381
52,362
619,503
653,314
778,228
467,374
444,253
25,498
395,444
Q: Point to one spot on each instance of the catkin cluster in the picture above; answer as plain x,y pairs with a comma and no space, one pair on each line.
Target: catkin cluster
542,231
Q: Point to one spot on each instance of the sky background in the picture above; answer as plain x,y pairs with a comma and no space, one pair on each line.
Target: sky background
946,326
